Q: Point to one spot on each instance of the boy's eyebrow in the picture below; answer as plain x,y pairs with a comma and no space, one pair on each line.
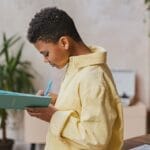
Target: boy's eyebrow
43,52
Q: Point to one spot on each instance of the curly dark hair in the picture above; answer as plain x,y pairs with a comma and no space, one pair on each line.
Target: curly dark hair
50,24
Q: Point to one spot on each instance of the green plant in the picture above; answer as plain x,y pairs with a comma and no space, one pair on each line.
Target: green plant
14,73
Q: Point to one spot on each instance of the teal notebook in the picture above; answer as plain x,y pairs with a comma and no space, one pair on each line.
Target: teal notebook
14,100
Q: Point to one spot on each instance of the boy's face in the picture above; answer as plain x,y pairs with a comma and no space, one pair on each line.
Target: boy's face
54,53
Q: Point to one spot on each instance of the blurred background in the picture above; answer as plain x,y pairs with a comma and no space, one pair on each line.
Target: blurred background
120,26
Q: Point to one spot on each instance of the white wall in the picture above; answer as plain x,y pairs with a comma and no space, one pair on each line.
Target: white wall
117,25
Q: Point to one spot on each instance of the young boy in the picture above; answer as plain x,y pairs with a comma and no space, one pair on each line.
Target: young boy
87,114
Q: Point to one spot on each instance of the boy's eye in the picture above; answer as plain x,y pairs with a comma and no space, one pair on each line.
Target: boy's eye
45,53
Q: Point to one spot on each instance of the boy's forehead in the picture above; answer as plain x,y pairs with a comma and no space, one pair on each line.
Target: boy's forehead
41,45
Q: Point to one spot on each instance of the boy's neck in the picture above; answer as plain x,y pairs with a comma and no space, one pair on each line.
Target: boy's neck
79,48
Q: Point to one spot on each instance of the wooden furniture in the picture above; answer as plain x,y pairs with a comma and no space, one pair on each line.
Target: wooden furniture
136,141
135,120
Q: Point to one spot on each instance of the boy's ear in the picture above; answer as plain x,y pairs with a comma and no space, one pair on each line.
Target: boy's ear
64,42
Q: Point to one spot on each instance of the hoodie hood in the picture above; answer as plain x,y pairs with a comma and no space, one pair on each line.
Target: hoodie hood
97,56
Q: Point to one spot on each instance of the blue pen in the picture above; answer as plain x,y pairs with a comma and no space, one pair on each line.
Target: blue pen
48,88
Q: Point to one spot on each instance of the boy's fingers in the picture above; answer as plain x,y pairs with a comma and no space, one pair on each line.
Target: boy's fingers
40,92
52,95
35,110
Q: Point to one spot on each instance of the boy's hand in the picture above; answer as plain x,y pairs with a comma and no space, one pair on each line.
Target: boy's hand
53,97
44,114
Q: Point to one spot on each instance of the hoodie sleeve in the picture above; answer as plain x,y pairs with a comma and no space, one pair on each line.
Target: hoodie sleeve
91,128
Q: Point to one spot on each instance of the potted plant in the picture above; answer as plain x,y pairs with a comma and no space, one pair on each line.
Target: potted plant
14,76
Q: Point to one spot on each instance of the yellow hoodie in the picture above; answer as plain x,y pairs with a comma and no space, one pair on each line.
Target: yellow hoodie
89,115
